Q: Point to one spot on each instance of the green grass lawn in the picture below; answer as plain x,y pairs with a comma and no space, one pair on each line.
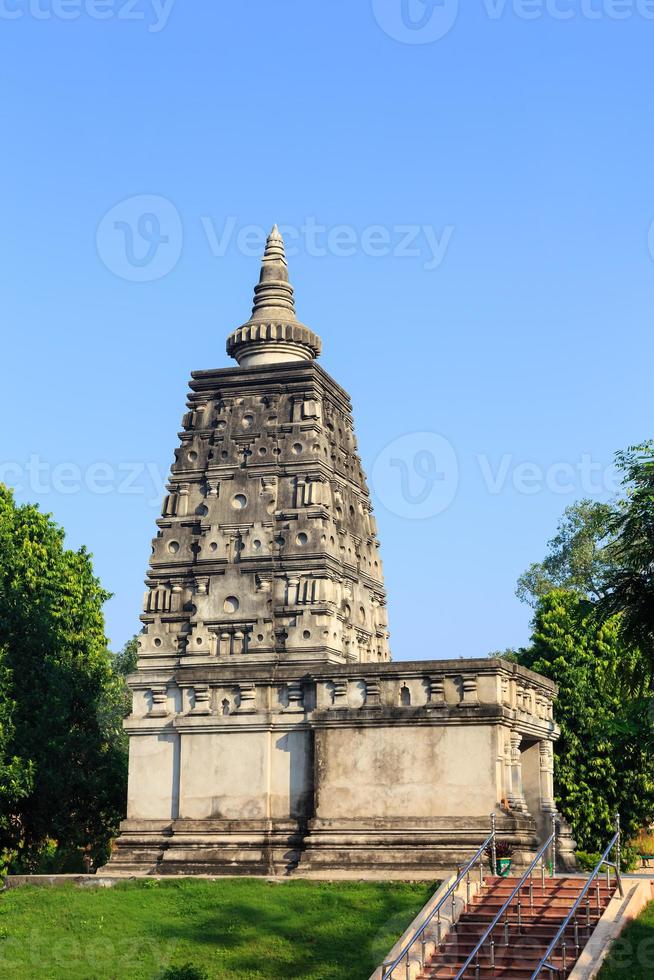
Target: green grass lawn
236,928
632,957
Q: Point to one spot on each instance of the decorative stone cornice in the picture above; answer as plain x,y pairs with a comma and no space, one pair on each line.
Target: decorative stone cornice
273,334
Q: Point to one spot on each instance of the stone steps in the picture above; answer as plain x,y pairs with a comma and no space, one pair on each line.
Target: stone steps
540,920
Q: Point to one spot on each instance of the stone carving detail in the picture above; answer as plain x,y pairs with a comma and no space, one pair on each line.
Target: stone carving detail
469,685
267,502
436,692
202,698
159,702
546,756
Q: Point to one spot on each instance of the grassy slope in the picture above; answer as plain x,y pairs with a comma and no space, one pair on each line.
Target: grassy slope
632,957
234,928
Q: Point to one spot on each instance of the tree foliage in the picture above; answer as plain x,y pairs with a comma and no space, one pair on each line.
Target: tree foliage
64,769
629,588
578,558
602,763
593,633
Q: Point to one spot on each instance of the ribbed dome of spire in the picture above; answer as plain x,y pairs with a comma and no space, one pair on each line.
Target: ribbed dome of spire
273,333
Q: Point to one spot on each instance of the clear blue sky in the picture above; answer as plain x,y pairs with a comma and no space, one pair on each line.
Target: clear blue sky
518,152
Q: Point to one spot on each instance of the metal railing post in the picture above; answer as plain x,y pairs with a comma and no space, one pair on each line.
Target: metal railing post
493,843
503,912
404,956
618,847
560,939
553,871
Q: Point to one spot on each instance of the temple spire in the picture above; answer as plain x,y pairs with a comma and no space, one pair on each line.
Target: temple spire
273,334
274,292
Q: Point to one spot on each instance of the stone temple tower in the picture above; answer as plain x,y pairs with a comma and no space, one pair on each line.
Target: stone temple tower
267,548
269,729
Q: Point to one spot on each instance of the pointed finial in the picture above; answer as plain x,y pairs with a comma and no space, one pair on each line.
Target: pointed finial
274,291
273,333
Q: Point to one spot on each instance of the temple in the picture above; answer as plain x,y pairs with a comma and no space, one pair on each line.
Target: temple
271,733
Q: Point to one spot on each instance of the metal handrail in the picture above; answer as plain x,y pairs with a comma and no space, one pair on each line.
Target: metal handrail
615,842
387,970
551,840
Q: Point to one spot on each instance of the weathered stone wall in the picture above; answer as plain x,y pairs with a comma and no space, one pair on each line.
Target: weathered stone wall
349,767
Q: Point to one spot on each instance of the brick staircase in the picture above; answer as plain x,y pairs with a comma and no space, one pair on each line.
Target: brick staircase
540,920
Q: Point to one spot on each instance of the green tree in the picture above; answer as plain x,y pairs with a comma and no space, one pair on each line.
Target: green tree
118,699
602,764
579,556
630,582
16,773
58,683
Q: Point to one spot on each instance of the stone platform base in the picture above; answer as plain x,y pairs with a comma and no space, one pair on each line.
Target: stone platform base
381,848
211,847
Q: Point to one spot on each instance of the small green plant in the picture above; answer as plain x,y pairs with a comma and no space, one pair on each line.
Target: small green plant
587,860
629,858
185,972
